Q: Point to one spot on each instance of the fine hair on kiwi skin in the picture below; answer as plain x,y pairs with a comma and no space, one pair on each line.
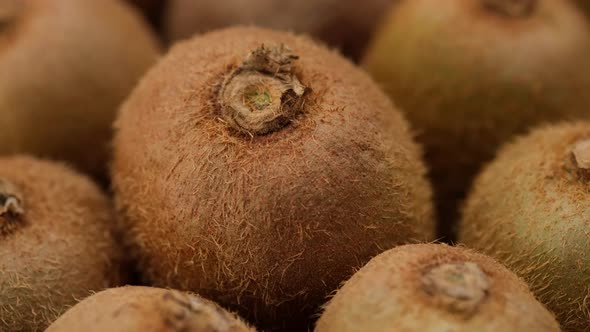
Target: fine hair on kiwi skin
470,74
66,66
344,24
261,176
529,209
139,309
57,242
431,288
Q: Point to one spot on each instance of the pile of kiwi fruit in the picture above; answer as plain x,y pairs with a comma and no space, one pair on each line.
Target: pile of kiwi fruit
281,165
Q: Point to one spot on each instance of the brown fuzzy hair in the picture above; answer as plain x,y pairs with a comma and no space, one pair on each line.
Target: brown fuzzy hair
470,74
344,24
264,223
66,66
56,242
529,209
143,309
397,291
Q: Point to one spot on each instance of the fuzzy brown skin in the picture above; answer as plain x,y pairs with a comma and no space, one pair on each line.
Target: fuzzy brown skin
470,76
58,250
529,208
147,309
266,225
66,67
393,293
344,24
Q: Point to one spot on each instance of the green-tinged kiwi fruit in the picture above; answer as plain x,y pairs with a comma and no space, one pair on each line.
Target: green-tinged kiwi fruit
56,242
66,66
345,24
141,309
259,169
530,208
433,288
472,73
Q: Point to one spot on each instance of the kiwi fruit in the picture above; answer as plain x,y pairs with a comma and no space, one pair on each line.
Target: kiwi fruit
344,24
259,169
432,288
529,209
56,242
139,309
470,74
66,66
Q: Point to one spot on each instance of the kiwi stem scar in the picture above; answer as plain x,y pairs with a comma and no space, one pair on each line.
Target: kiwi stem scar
457,287
263,94
511,8
9,11
10,201
581,154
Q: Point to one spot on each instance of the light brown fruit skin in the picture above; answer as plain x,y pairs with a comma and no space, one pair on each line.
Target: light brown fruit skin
344,24
147,309
66,67
265,225
60,251
469,78
530,210
388,295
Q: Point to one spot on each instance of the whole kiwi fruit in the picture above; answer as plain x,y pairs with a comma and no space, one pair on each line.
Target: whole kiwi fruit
56,242
432,288
147,309
472,73
345,24
66,66
529,209
259,169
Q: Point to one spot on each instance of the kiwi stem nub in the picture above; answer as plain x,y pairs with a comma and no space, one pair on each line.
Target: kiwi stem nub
263,94
9,11
581,156
512,8
11,204
457,287
183,312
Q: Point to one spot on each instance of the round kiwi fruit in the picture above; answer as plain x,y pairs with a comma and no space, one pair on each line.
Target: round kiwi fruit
472,73
529,208
259,169
66,66
56,242
344,24
431,288
139,309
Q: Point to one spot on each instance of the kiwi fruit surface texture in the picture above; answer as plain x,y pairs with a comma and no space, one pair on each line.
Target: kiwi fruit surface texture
345,24
66,66
530,208
147,309
56,242
432,288
258,169
472,73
